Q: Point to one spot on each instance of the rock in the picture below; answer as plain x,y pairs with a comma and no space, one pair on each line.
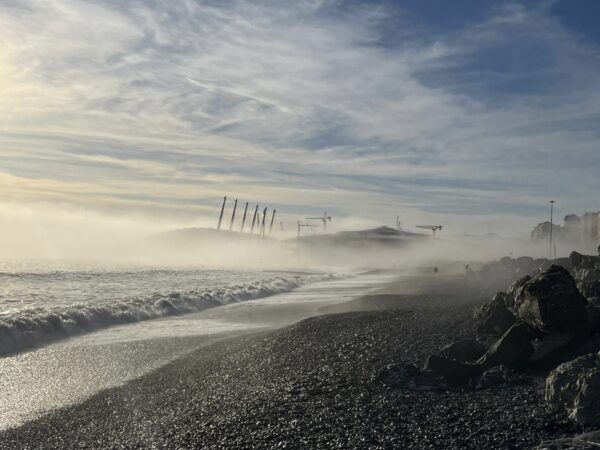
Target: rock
593,313
551,302
410,377
494,318
586,441
576,259
564,262
514,288
455,372
509,269
554,349
397,374
588,282
590,345
496,376
560,348
463,350
579,261
574,389
513,349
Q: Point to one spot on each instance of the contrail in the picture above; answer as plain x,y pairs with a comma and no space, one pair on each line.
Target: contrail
237,94
200,84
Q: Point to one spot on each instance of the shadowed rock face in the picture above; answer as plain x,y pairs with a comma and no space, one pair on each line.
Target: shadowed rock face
513,349
497,376
586,441
455,372
464,350
515,288
574,388
586,270
495,317
551,302
579,261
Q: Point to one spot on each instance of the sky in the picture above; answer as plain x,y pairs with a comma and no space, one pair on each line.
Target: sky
468,113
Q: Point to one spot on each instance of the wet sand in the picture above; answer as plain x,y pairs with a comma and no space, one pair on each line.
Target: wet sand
311,385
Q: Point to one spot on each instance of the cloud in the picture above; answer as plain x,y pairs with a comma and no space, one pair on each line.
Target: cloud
366,109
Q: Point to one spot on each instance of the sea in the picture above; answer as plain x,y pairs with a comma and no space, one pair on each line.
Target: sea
69,329
44,301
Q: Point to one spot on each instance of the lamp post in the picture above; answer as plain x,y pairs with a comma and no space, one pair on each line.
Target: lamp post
551,225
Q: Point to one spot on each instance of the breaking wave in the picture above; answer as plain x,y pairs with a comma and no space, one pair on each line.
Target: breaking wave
33,327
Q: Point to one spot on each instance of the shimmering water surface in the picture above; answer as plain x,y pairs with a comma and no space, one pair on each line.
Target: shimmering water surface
90,327
43,302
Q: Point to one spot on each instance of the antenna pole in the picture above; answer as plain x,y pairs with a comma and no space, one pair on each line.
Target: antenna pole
221,215
244,218
233,215
272,218
551,226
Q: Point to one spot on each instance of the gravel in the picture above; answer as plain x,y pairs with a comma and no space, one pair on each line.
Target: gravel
311,385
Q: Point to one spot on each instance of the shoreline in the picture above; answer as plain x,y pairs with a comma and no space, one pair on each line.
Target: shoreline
69,371
312,384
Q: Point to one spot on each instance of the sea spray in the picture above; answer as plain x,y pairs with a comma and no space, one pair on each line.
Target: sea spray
32,327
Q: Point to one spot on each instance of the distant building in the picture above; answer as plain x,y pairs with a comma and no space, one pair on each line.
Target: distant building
577,232
590,229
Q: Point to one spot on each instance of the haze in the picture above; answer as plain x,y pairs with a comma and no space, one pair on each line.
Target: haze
120,119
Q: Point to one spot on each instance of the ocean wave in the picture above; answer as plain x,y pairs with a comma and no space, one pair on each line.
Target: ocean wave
34,327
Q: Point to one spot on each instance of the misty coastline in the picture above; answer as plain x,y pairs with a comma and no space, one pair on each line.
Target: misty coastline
315,384
33,327
315,224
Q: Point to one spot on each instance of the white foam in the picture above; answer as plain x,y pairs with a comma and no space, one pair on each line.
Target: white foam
32,327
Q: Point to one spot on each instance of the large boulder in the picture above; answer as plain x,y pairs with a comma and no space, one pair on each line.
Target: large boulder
554,349
576,259
557,348
579,261
551,302
495,317
574,389
464,350
455,372
496,376
588,282
593,313
512,350
586,441
515,288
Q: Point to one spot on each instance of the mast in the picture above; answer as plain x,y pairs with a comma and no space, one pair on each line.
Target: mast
244,218
253,220
221,215
272,218
233,215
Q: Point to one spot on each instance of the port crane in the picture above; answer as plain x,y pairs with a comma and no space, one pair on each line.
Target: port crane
324,218
433,228
302,225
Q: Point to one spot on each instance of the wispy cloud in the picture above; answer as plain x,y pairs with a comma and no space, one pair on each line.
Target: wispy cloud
365,108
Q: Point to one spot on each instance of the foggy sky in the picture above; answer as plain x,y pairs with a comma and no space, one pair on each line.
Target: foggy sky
469,114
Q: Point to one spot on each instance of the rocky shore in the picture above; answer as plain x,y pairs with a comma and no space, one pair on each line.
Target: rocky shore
317,385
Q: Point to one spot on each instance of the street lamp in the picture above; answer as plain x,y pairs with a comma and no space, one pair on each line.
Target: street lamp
551,225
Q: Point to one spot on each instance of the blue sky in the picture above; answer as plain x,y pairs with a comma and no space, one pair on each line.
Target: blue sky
469,113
